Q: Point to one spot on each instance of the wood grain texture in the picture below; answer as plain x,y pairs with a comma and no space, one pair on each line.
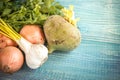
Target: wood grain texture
98,55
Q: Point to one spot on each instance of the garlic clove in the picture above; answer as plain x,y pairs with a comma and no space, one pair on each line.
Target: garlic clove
37,55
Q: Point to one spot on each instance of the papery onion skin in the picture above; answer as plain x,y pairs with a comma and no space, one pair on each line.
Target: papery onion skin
5,41
11,59
33,33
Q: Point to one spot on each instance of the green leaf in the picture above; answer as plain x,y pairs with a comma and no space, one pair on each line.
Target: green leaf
6,12
48,3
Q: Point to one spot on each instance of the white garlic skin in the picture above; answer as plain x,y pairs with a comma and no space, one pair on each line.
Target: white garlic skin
38,54
35,54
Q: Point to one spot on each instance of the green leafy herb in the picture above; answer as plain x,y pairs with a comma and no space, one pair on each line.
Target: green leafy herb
19,13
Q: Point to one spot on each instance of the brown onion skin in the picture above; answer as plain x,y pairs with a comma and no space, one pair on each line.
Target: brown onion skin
5,41
33,33
11,59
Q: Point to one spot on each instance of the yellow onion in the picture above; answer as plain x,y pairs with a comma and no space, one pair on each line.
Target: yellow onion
33,33
5,41
11,59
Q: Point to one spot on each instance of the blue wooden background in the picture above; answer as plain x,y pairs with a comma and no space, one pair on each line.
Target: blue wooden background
98,55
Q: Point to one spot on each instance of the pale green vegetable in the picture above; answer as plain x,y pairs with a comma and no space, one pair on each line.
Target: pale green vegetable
60,34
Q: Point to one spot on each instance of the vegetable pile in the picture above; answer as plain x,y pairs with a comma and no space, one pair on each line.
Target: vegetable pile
35,28
35,54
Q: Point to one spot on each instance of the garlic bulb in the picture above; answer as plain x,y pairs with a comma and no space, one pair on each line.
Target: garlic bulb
35,54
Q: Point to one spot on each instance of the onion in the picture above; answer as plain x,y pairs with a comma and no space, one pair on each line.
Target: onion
11,59
5,41
33,33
